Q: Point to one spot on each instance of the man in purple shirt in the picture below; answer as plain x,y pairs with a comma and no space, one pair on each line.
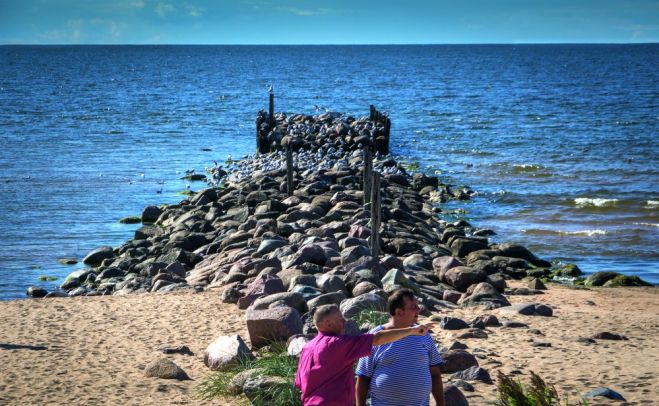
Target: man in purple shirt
325,372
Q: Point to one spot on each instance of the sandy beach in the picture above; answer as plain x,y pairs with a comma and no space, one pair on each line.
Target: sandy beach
93,350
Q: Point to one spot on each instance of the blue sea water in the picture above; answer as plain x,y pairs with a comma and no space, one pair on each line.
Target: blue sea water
559,141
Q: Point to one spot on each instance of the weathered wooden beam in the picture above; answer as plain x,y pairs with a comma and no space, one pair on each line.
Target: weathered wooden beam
289,170
376,215
367,175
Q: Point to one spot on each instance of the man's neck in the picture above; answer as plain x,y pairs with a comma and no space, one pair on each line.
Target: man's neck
396,323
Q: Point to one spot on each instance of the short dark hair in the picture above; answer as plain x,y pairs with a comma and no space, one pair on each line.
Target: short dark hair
397,299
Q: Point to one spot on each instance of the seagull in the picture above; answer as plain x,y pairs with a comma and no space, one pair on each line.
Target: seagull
269,88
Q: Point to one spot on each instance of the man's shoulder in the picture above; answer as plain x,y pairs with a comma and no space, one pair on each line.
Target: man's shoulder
376,329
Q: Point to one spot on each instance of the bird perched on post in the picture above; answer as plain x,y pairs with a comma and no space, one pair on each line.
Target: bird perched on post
269,88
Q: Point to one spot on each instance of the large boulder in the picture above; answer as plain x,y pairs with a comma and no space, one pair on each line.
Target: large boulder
290,299
312,253
75,279
462,277
457,360
97,256
368,301
518,251
226,351
461,247
272,324
453,396
473,373
35,291
327,298
263,285
442,264
150,214
351,254
484,293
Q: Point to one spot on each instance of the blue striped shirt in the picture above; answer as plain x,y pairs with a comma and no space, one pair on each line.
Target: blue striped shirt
400,371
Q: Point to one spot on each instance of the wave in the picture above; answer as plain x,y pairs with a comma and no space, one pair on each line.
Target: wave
647,224
597,202
652,204
579,233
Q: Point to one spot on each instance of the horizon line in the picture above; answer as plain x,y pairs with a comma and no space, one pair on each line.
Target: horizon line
341,44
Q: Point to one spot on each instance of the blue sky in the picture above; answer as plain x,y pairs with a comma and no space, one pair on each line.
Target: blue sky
326,22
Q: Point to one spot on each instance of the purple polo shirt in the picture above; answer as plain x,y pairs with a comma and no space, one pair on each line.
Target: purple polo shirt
325,372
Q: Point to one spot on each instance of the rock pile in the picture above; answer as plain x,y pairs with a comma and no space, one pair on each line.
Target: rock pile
268,250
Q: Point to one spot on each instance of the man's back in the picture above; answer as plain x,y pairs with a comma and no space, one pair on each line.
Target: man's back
324,372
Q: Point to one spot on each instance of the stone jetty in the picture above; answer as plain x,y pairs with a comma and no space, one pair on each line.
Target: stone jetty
284,231
248,235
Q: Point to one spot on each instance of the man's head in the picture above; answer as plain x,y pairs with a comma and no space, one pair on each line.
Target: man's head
328,319
403,307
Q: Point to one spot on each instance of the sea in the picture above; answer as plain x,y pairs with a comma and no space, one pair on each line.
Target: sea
559,142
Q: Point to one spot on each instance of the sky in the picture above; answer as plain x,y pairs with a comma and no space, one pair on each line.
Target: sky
327,22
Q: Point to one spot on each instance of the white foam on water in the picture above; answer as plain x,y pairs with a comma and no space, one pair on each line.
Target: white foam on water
587,233
647,224
597,202
578,233
652,204
526,167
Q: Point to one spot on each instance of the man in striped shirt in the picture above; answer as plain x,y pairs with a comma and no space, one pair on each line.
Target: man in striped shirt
404,372
325,370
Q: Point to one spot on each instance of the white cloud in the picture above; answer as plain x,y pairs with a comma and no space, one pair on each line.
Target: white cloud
194,11
308,12
138,4
162,9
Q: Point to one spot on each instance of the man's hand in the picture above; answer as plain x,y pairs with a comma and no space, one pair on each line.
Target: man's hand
422,329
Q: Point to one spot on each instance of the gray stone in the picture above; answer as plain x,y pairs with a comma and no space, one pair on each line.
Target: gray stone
290,299
261,387
462,277
518,251
165,369
272,324
327,298
457,360
226,351
605,335
97,256
473,373
75,278
37,292
368,301
514,324
150,214
331,283
453,396
452,323
351,254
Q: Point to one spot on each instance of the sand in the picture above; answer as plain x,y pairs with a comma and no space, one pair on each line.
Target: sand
93,350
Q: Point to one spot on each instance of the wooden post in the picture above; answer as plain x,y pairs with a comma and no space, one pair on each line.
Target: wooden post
387,130
289,170
367,176
376,216
258,133
371,112
271,110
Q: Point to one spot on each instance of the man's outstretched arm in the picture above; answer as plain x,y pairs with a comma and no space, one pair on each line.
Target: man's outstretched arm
361,390
437,386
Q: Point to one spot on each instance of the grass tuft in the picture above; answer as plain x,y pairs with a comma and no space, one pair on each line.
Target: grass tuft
539,393
275,363
371,316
